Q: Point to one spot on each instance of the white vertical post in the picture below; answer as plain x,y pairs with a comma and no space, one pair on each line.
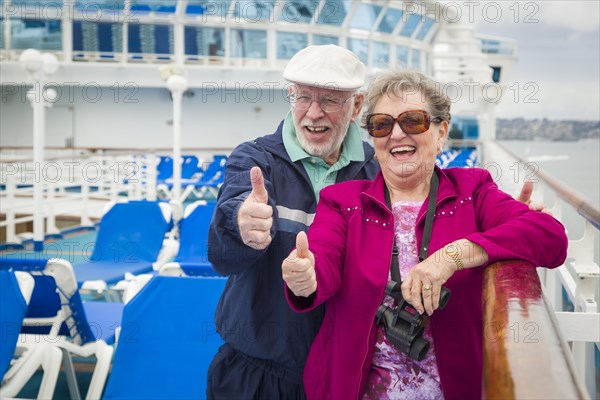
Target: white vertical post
151,163
38,66
11,229
85,201
36,98
51,219
177,84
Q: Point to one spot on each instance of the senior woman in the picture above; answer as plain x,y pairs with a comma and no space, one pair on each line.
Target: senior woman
447,225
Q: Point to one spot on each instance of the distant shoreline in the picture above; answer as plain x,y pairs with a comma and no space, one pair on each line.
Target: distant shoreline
546,130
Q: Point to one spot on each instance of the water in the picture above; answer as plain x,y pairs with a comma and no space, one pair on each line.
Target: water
576,164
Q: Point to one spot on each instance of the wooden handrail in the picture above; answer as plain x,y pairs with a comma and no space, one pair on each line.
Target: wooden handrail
524,355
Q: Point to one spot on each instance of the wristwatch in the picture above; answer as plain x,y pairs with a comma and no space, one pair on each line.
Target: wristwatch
452,252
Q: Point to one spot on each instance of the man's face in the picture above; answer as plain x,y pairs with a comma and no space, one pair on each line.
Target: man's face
321,133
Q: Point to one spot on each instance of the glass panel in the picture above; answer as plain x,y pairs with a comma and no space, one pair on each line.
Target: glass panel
93,6
140,7
416,58
97,37
425,28
208,8
204,41
35,33
323,39
334,12
2,44
365,16
150,39
401,56
289,43
380,54
411,25
298,10
361,48
390,19
253,10
248,43
34,9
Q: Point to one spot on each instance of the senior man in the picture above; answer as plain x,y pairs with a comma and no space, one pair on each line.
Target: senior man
270,193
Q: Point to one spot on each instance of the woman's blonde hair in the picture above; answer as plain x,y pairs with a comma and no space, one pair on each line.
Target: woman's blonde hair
401,82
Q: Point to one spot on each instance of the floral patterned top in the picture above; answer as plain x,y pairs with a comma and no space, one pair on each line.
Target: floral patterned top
393,374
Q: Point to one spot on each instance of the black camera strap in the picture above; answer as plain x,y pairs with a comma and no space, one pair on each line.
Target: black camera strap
424,250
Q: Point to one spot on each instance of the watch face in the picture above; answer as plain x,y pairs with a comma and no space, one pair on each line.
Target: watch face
451,248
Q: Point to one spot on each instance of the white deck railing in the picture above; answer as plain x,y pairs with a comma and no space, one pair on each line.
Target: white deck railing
78,186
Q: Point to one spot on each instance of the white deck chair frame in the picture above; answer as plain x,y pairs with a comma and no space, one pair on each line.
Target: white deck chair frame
62,272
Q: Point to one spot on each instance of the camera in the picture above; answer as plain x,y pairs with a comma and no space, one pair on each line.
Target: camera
403,325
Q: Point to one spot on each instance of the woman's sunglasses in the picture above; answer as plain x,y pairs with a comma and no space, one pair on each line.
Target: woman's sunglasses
412,122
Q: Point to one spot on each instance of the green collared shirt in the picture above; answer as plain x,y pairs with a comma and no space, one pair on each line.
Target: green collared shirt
319,172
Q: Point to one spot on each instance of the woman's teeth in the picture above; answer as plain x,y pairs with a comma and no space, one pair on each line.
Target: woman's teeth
403,149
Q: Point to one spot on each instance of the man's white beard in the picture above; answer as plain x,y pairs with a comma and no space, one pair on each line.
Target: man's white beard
334,143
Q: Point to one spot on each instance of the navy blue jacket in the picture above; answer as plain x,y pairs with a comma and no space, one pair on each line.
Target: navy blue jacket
253,315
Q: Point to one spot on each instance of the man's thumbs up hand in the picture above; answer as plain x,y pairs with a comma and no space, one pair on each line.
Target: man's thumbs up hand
298,268
259,192
255,216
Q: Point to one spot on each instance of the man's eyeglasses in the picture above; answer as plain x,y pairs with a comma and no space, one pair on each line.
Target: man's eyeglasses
412,122
327,104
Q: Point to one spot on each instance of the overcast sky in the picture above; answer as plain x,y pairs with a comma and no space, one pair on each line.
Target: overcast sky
558,53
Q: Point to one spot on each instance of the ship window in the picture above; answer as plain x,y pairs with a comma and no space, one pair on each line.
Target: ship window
496,74
465,127
252,10
410,24
402,56
141,7
360,47
425,28
298,11
416,58
150,39
289,43
2,45
204,41
248,43
324,39
207,8
97,37
365,17
390,19
35,33
94,10
334,12
380,57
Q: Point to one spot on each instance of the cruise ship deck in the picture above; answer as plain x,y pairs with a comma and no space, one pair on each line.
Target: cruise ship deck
117,118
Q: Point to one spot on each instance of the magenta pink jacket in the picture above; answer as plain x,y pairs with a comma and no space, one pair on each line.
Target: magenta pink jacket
351,239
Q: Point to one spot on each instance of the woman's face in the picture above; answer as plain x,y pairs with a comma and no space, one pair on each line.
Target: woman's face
407,158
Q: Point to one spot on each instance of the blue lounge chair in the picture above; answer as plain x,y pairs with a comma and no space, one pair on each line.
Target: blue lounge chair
129,240
57,316
16,289
167,340
192,256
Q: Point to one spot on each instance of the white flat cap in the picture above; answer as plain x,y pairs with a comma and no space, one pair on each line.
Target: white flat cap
329,66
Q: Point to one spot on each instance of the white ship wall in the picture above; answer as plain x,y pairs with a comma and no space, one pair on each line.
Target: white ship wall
107,118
